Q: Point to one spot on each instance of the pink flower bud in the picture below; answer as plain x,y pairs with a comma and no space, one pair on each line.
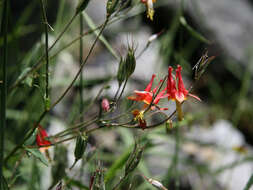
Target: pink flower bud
105,105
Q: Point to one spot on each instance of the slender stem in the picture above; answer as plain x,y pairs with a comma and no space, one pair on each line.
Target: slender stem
81,60
175,160
4,32
39,62
119,183
121,91
61,97
81,67
44,17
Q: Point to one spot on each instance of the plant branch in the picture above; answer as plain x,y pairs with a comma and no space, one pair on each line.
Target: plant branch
4,32
44,17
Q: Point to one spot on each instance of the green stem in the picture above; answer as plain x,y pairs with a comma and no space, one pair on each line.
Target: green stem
175,160
40,60
4,32
81,60
44,17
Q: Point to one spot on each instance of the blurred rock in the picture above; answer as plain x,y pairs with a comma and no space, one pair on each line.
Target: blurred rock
230,22
222,138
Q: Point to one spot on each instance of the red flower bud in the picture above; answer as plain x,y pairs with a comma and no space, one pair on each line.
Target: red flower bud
105,105
40,137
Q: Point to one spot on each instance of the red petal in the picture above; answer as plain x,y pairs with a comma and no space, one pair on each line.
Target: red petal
180,97
148,88
194,96
40,137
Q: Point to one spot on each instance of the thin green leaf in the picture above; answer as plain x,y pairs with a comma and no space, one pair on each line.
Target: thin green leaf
101,38
37,154
31,139
193,32
3,184
76,183
118,164
249,184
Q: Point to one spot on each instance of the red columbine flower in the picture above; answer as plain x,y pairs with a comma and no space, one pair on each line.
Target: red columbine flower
41,138
150,9
146,96
177,91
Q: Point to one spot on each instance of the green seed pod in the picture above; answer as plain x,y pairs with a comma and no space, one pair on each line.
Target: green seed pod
81,6
134,160
81,144
111,6
121,75
130,62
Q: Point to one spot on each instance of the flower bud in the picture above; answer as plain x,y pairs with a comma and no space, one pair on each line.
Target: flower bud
105,105
121,75
81,6
111,6
130,62
81,144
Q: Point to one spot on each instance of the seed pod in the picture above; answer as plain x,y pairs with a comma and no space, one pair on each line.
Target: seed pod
111,6
131,157
81,144
134,160
121,75
81,6
130,62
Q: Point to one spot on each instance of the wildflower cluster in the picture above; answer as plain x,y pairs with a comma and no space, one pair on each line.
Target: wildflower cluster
174,90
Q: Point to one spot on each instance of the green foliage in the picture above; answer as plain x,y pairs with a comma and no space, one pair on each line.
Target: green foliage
222,84
249,183
37,154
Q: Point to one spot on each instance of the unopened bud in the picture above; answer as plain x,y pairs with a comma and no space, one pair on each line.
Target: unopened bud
130,62
111,6
81,144
81,6
121,75
105,105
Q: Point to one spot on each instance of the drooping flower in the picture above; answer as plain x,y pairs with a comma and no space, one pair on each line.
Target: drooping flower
175,89
146,96
150,9
41,138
